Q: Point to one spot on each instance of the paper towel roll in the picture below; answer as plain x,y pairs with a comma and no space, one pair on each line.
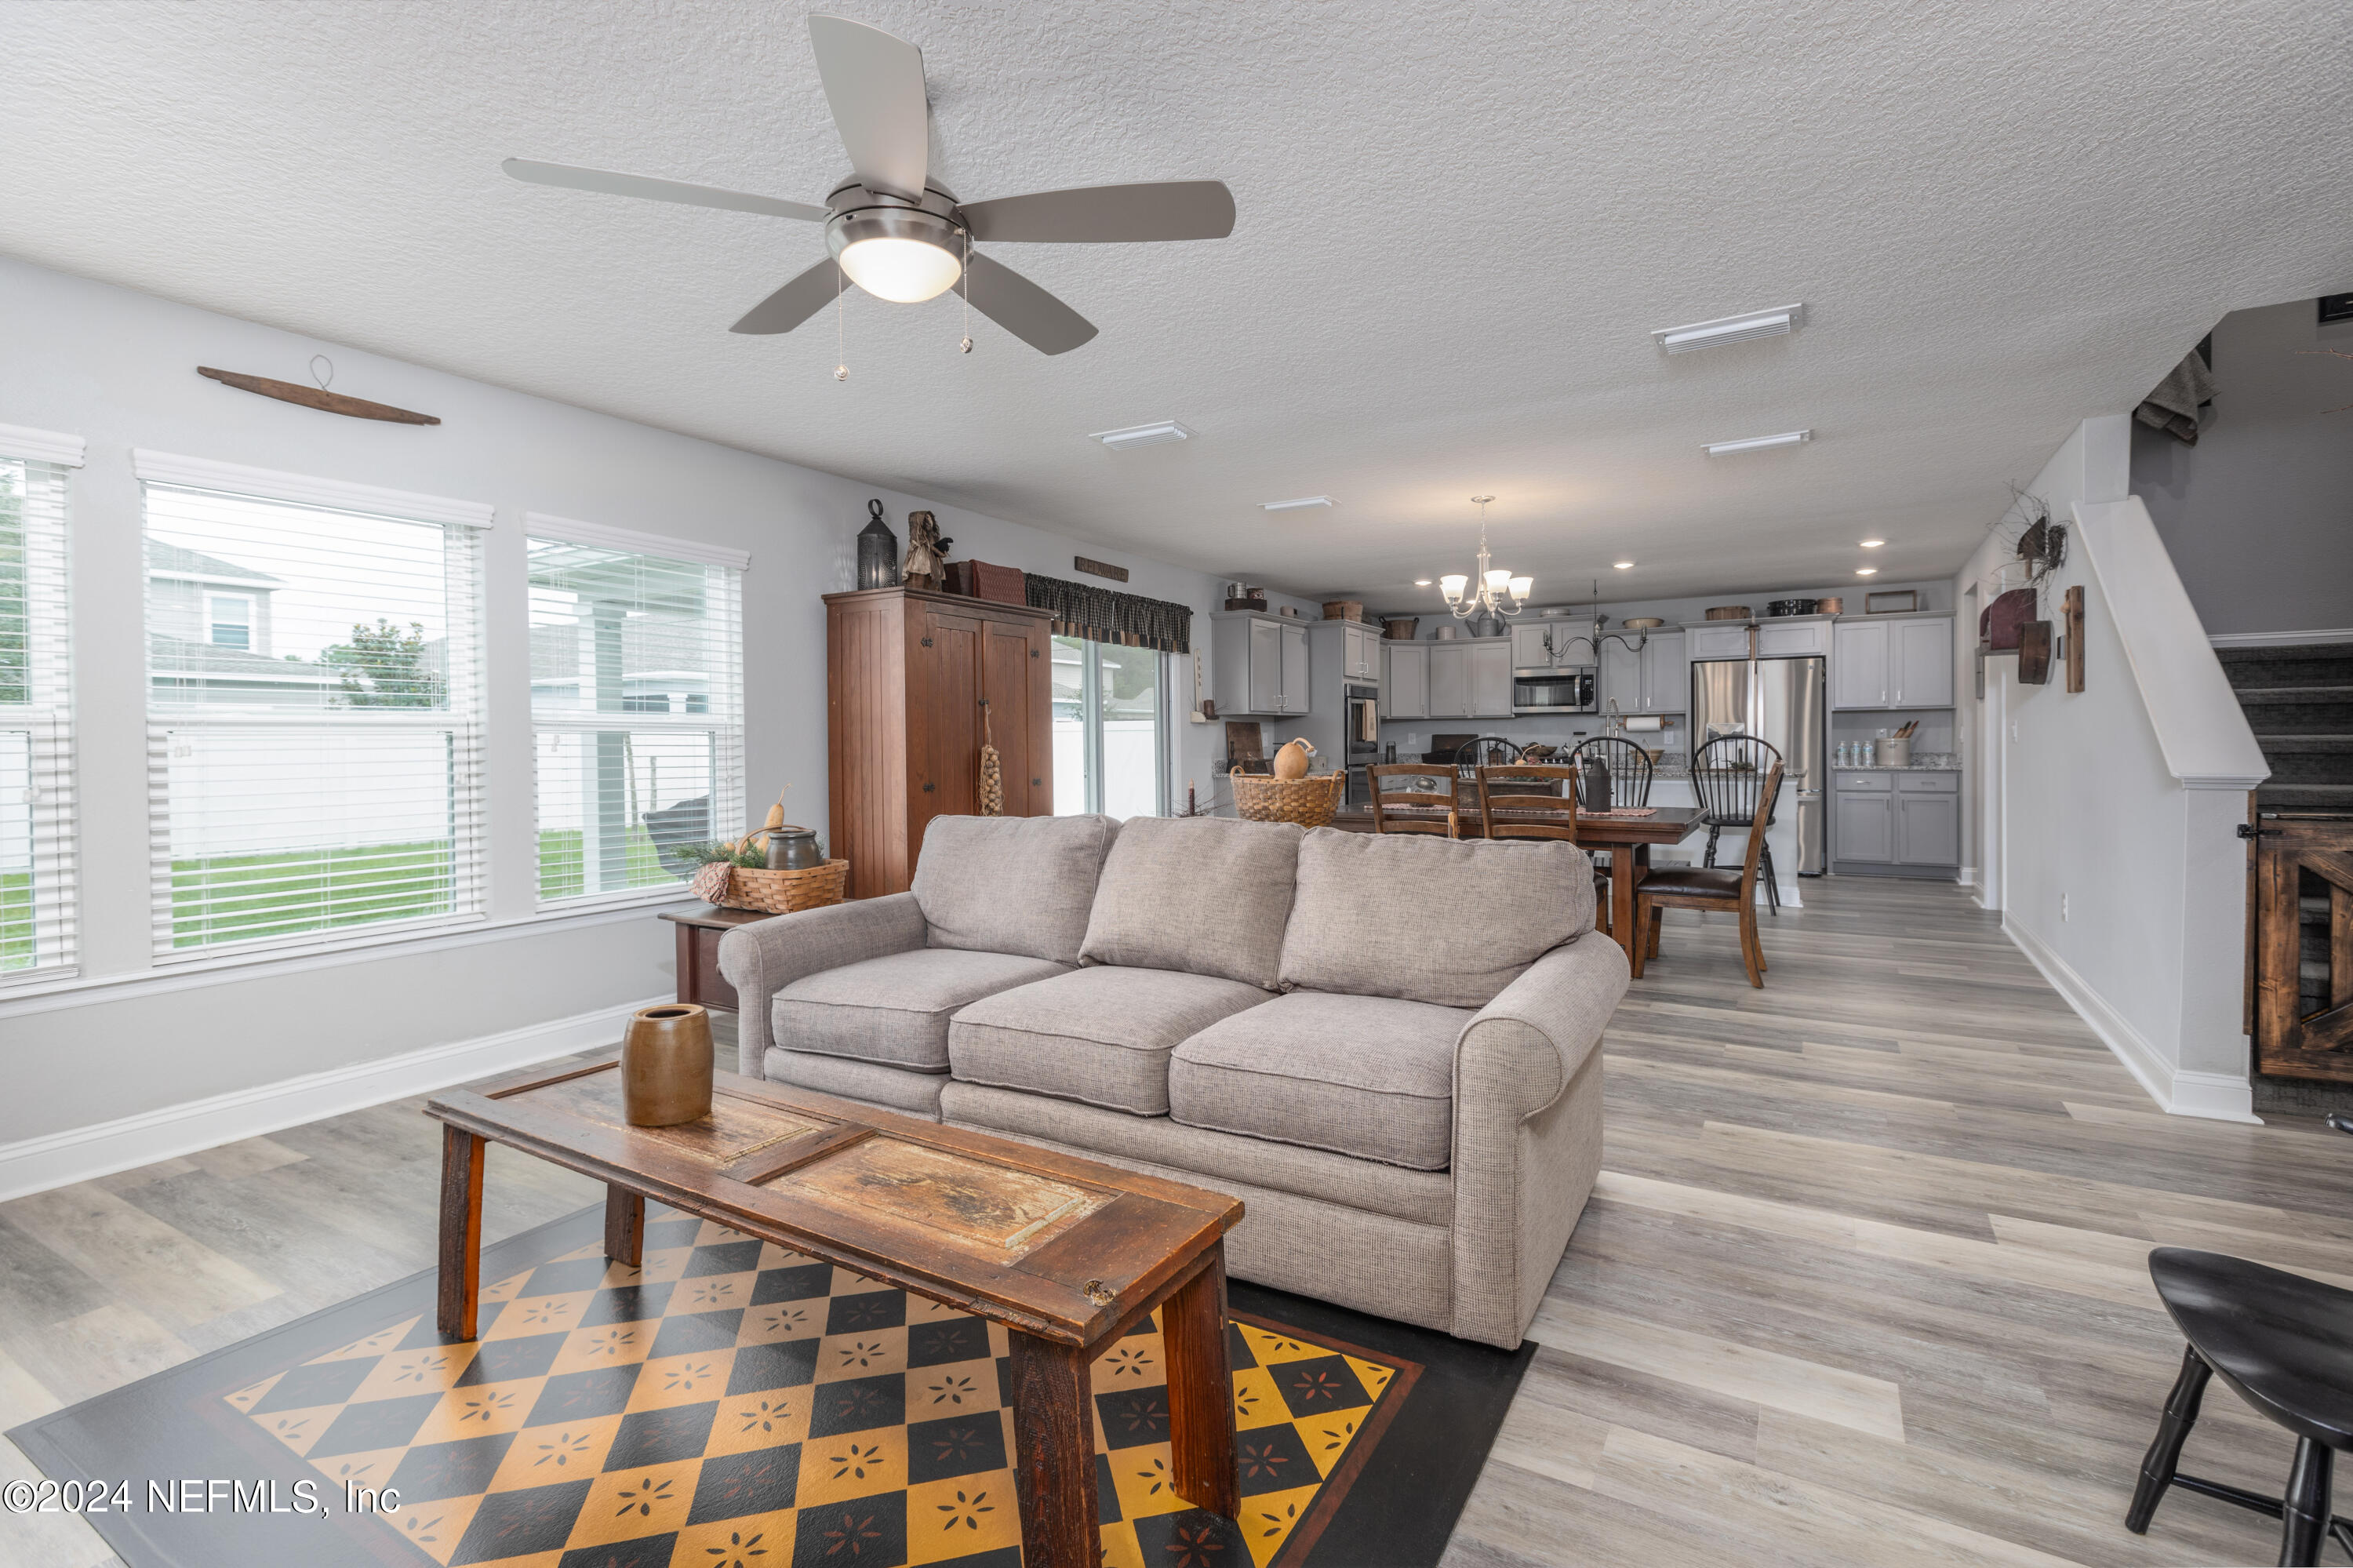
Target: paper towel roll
1645,724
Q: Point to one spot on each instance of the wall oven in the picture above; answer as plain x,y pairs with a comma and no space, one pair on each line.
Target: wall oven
1566,690
1360,739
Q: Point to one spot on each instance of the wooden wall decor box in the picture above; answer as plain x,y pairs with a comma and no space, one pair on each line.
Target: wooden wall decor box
979,579
1728,612
1891,602
2072,608
908,675
1257,604
2034,652
1095,568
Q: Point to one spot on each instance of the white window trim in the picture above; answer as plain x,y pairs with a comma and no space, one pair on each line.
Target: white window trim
307,490
572,530
42,446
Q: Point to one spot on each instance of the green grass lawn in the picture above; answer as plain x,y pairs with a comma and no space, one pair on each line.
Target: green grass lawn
15,919
562,874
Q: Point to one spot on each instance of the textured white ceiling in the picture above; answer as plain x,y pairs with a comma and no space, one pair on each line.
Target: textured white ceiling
1458,225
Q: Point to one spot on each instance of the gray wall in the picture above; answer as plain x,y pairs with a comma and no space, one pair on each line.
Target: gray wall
2258,516
118,369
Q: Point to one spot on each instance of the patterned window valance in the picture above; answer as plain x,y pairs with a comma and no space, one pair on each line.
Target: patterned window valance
1103,614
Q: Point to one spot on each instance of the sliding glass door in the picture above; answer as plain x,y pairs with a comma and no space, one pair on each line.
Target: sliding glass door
1111,729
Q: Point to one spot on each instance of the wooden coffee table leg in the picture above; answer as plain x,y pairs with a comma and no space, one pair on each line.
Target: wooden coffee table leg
461,1230
1625,870
1054,1454
1201,1391
625,1225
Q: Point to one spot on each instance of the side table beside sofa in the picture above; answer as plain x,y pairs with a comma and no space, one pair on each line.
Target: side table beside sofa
1406,1101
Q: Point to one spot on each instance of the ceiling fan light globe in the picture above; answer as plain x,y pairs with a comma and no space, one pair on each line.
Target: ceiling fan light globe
1522,586
1451,586
903,271
1499,579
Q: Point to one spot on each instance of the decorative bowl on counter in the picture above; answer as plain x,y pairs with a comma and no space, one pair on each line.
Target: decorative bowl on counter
1643,623
1728,612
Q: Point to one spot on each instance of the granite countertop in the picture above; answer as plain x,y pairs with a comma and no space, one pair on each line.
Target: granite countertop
1951,766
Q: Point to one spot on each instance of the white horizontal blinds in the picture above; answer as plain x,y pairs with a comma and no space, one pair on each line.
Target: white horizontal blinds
314,721
36,844
637,715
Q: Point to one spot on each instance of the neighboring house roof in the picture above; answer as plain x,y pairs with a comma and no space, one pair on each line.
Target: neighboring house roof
176,561
180,657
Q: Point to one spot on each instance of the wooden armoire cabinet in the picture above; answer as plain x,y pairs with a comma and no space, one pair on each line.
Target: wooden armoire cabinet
908,676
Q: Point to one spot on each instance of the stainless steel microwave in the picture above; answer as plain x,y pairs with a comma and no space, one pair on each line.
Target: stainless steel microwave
1559,691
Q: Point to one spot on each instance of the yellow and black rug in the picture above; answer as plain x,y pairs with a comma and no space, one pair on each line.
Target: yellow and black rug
733,1404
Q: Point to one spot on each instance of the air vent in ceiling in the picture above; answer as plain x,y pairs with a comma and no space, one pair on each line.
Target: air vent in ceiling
1730,329
1161,434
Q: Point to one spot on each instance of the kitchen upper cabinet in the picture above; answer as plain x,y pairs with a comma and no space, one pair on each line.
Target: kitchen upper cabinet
1864,829
1405,681
1905,663
1666,676
1551,643
1724,639
1927,830
1491,679
1528,649
1258,664
1360,652
1792,639
1450,680
1621,678
1924,663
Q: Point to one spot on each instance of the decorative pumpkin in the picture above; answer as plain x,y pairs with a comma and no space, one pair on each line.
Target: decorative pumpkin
1292,761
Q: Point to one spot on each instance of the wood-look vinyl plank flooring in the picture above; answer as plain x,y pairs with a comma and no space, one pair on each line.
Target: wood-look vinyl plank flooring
1862,1280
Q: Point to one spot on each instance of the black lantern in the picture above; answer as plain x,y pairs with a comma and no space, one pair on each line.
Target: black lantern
878,551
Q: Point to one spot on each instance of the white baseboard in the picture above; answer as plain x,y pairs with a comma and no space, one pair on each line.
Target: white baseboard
1967,877
2279,639
2215,1096
82,1153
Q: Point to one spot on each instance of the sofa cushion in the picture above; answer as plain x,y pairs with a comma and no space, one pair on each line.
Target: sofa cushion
1206,895
1479,914
895,1008
1366,1076
1102,1035
1011,885
903,1089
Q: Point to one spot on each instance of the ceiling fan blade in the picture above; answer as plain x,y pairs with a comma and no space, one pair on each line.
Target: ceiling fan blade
874,85
796,302
611,183
1021,307
1158,209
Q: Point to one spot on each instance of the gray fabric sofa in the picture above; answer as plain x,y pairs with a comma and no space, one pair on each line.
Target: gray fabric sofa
1388,1047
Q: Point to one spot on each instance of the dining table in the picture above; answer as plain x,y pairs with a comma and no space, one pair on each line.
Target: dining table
1628,838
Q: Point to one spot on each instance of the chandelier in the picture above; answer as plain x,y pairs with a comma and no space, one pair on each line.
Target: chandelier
1496,592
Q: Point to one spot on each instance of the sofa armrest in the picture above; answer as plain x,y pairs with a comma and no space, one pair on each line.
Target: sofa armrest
764,957
1528,1131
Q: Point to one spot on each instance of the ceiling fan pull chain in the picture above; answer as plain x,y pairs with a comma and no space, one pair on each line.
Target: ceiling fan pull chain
841,339
965,346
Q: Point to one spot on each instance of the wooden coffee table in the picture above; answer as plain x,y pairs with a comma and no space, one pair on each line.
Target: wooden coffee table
1067,1253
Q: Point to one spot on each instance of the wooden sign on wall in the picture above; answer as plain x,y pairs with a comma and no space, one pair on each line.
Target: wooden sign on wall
1100,568
2074,622
2034,652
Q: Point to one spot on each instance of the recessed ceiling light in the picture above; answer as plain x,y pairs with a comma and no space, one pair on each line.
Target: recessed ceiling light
1730,329
1422,582
1303,500
1866,572
1166,430
1759,443
1872,543
1623,565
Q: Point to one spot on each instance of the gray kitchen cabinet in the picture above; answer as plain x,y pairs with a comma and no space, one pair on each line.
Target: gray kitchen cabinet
1792,637
1528,649
1258,663
1450,680
1927,830
1491,679
1864,828
1666,676
1362,644
1718,640
1859,664
1621,678
1904,663
1551,643
1405,680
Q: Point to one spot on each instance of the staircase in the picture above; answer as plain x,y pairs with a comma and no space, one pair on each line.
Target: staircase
2299,702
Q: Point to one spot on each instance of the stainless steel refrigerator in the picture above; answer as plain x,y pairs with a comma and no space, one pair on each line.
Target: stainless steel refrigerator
1782,702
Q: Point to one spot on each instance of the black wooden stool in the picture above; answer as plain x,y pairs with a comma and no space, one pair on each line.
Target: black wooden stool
2284,1344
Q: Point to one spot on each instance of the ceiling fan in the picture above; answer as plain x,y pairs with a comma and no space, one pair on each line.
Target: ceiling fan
898,235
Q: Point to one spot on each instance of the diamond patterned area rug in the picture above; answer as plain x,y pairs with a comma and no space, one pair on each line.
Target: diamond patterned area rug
733,1404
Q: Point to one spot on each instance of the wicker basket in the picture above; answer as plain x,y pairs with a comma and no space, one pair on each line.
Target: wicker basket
783,892
1344,610
1309,802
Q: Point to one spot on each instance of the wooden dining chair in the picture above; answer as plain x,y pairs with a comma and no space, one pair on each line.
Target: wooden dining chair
1705,887
1629,785
1433,809
1535,801
1726,774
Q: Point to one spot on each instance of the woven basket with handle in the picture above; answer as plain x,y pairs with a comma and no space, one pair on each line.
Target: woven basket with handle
1309,802
776,892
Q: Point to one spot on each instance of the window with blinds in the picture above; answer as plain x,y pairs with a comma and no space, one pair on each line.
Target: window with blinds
637,710
314,719
37,849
